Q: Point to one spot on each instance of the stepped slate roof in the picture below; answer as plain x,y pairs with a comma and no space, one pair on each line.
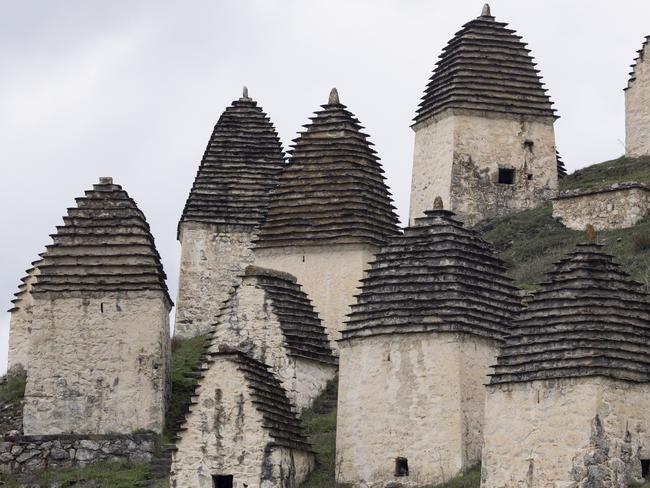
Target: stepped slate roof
271,401
105,245
589,319
485,67
637,60
303,333
240,165
25,286
438,277
333,189
561,169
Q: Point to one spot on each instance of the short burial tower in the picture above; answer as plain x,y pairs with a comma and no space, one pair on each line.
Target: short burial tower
484,138
569,402
331,205
270,318
416,353
241,430
226,205
99,346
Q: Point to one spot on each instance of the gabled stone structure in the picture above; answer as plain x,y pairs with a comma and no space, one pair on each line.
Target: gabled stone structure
329,213
416,353
225,207
637,105
20,323
484,138
569,401
99,348
271,319
241,430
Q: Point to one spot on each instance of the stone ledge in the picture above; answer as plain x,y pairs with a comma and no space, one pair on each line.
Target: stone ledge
580,192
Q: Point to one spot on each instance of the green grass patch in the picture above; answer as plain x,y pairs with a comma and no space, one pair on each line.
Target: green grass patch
186,355
642,485
13,391
469,479
619,170
531,241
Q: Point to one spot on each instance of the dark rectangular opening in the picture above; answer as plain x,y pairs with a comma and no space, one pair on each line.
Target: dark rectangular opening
401,467
645,468
222,481
506,176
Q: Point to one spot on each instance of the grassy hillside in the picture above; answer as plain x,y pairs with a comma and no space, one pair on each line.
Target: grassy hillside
615,171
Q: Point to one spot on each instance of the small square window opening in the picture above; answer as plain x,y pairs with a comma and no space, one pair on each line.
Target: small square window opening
222,481
401,467
506,176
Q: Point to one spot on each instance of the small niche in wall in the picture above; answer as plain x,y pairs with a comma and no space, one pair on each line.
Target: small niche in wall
222,481
529,177
528,144
645,468
506,176
401,466
101,307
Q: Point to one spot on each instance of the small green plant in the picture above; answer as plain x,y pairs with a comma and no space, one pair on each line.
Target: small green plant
13,390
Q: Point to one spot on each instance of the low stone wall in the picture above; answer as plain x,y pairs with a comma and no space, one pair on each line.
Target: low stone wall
28,453
614,207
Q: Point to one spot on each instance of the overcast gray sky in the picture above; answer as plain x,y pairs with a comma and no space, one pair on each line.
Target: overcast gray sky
132,89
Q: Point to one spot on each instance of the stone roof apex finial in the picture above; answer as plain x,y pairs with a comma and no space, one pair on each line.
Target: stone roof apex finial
437,204
486,12
105,180
245,94
334,97
590,233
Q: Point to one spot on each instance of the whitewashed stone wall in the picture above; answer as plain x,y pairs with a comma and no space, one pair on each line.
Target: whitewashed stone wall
98,364
614,207
250,325
212,259
417,396
465,175
330,275
225,436
580,433
637,107
20,327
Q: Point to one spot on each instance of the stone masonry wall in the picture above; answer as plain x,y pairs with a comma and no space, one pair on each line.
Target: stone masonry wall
581,433
250,325
22,454
614,207
98,364
330,275
417,396
225,436
212,259
637,108
20,327
465,176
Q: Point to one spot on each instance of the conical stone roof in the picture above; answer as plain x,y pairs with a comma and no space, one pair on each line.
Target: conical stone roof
439,277
589,319
485,67
333,190
240,165
105,245
638,60
561,169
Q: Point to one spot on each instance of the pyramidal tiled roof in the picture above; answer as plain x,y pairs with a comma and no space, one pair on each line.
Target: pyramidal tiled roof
486,67
268,397
240,165
561,169
438,276
333,190
105,245
589,319
25,286
303,332
639,59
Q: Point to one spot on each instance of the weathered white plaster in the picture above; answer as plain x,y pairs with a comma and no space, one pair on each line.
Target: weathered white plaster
613,207
565,433
212,259
224,436
465,175
249,324
20,326
98,363
637,108
417,396
330,275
